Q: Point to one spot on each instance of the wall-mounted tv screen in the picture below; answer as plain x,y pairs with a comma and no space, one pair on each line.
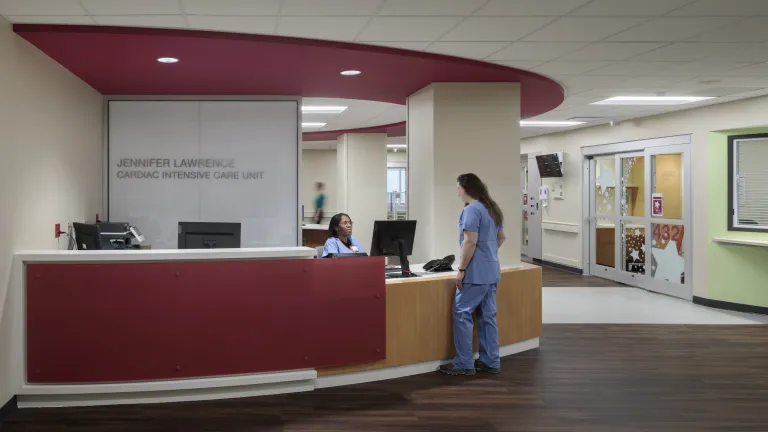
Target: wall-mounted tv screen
549,165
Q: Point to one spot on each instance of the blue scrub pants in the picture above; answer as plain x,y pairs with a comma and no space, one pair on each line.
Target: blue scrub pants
481,299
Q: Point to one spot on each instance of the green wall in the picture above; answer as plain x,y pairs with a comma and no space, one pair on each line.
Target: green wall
736,274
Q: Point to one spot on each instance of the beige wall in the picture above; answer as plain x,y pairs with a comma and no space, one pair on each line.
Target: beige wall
50,163
697,122
459,128
362,182
318,166
397,159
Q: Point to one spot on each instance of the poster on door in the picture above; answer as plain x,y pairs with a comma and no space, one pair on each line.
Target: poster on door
657,204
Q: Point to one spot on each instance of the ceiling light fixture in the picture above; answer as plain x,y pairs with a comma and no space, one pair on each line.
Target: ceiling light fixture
323,109
397,146
312,125
546,123
350,72
651,100
168,60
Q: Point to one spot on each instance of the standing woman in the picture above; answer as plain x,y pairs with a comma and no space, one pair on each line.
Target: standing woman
319,202
481,234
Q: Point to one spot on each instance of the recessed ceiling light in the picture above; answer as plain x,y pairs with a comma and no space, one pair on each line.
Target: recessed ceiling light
397,146
351,72
545,123
651,100
168,60
312,125
323,109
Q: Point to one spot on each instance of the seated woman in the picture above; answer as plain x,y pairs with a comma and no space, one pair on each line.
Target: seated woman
340,240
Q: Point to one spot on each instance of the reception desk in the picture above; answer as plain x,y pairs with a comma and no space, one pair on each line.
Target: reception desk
111,327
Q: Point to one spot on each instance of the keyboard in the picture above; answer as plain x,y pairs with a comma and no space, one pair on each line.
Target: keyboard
399,275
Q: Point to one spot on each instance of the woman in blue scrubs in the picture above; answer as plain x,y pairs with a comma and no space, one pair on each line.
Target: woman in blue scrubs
481,234
340,240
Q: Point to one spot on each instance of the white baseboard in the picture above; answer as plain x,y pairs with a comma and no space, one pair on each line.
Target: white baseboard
561,260
39,396
49,396
414,369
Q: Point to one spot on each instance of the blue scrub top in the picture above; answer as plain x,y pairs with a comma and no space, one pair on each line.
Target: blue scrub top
335,246
484,266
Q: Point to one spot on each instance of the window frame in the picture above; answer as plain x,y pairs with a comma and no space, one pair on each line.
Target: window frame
733,211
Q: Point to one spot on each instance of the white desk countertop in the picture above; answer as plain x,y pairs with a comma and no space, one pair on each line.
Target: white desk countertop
315,227
165,254
741,242
419,270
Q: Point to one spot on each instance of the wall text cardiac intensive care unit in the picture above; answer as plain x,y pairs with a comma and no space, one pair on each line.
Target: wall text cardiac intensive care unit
183,169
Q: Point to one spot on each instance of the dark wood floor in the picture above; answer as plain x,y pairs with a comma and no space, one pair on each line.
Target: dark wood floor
558,278
584,378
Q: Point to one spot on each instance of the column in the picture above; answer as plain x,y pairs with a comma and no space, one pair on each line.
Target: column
456,128
362,182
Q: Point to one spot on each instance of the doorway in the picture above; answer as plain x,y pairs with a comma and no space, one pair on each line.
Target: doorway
639,214
530,182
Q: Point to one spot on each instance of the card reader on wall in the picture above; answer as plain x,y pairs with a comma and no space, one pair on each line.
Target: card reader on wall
550,165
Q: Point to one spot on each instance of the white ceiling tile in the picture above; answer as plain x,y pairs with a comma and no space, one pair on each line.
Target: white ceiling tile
568,67
231,7
612,51
536,51
57,19
753,53
749,30
525,65
395,114
626,8
754,71
629,68
724,8
684,52
330,7
430,7
495,29
164,21
671,29
41,7
700,67
578,29
475,50
651,81
413,46
407,29
330,28
239,24
132,7
530,7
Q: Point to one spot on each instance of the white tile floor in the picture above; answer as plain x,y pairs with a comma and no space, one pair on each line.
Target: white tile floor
624,305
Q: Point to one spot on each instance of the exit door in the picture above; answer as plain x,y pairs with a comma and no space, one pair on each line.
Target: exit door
531,208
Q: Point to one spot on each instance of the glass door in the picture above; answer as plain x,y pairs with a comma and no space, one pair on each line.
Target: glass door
668,199
639,214
524,200
603,215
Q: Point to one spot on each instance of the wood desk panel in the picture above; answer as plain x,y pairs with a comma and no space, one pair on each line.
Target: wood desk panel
420,323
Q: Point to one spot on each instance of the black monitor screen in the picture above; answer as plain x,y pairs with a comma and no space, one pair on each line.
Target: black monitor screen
86,236
549,166
209,235
388,235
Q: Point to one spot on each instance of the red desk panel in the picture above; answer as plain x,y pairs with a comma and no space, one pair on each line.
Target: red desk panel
115,322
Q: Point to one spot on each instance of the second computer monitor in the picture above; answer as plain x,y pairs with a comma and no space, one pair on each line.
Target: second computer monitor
394,238
209,235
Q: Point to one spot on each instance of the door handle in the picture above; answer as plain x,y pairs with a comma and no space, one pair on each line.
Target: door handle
537,206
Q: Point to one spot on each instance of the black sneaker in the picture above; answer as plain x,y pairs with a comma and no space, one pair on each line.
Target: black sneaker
448,369
482,367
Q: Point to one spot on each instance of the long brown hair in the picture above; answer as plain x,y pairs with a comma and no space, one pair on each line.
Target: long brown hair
475,188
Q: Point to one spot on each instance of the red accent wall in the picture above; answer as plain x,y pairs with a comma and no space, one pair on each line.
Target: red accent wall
113,322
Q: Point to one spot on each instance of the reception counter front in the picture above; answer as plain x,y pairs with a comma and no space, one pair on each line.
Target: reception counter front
110,327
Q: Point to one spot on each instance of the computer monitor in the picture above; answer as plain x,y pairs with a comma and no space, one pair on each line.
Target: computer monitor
86,236
394,238
209,235
118,235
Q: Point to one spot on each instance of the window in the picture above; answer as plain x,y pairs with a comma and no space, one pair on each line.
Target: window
748,182
396,190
